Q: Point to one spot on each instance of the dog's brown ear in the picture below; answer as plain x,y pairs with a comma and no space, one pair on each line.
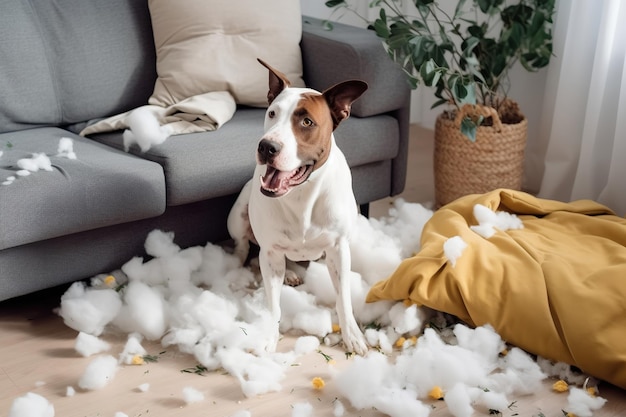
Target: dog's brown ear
277,82
340,98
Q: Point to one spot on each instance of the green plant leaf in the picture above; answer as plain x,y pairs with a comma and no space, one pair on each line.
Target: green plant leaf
458,11
438,103
468,128
335,3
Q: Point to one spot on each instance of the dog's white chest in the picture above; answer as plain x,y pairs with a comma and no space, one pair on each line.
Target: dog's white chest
305,224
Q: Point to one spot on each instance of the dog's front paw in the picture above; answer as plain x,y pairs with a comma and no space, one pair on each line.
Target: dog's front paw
354,340
292,278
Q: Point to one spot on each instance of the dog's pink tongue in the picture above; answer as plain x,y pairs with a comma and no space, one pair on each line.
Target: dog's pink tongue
273,178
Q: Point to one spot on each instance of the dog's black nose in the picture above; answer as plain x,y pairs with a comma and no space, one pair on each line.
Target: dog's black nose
268,149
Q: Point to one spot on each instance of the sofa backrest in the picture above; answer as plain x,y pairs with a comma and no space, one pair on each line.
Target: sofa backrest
68,61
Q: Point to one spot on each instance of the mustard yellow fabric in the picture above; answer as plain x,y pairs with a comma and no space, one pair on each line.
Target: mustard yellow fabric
556,288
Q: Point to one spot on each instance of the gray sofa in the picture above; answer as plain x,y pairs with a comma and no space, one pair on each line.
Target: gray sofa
66,63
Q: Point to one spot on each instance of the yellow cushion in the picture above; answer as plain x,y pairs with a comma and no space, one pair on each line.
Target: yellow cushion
556,288
204,46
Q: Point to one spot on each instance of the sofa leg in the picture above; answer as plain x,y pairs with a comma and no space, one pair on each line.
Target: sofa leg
365,209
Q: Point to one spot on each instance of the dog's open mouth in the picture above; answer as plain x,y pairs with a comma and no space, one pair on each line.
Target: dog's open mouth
276,183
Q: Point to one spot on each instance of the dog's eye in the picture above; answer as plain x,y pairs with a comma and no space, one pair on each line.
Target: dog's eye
271,114
306,122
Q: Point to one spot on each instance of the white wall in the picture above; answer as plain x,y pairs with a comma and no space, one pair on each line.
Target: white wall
526,88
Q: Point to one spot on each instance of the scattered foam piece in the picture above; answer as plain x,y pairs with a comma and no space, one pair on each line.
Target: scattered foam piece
89,310
161,244
145,130
145,387
406,319
304,409
35,163
22,173
144,311
489,221
98,373
192,395
87,345
458,401
453,249
70,391
66,148
581,404
120,414
39,384
31,405
338,408
132,349
306,344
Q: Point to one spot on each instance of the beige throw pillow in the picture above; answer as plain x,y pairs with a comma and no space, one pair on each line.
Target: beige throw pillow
213,45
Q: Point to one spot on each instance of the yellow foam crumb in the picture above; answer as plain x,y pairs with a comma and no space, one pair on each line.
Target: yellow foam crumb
336,328
407,302
560,386
109,281
318,383
436,393
414,340
504,352
592,391
400,341
137,360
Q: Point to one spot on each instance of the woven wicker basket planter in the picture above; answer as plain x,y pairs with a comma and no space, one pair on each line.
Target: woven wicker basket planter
495,160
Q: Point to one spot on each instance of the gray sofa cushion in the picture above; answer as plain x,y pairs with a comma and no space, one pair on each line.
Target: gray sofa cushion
67,61
199,166
102,187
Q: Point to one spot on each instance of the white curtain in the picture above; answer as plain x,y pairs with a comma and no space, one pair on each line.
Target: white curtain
583,127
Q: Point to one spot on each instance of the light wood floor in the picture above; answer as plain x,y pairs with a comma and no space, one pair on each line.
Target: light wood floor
37,355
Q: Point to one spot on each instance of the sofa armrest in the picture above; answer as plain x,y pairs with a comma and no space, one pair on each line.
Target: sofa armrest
349,52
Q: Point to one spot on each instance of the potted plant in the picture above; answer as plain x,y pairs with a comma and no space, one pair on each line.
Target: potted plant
465,55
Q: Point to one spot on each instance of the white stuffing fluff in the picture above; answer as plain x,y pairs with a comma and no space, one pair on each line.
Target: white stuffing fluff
302,410
453,249
459,401
70,391
580,403
132,348
489,221
192,395
338,408
31,405
35,163
145,130
98,373
406,319
463,369
145,387
120,414
89,310
144,311
202,301
66,148
306,344
88,345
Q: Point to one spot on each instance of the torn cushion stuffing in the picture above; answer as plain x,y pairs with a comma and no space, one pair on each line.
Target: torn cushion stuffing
555,288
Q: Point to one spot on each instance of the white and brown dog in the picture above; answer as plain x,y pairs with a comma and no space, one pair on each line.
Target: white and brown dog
299,205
